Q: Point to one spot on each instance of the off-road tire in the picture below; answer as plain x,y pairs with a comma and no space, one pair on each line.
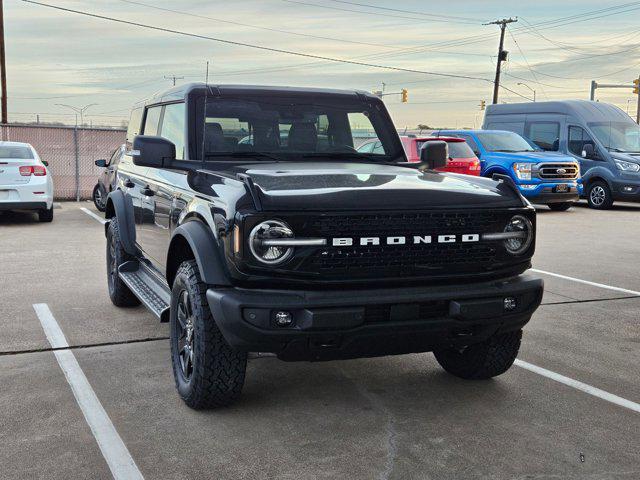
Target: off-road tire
607,200
45,215
560,207
119,292
218,370
483,360
100,205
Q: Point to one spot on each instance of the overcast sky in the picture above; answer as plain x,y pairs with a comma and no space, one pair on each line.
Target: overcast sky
59,57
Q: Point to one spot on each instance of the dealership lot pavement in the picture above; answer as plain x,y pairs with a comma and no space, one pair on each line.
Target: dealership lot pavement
394,417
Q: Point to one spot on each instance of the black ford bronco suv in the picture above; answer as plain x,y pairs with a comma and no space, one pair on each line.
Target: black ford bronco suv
245,217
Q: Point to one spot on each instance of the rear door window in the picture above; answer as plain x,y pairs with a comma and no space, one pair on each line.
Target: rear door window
135,122
152,120
173,127
544,134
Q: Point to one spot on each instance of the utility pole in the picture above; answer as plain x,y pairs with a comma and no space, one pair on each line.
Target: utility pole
502,54
3,67
174,78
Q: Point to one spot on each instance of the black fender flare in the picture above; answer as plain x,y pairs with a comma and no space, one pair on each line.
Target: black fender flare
121,207
204,247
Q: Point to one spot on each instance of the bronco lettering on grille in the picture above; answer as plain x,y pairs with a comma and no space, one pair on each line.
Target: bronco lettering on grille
402,240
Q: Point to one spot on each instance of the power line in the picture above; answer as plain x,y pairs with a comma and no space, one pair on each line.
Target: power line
527,62
268,29
467,19
258,47
386,15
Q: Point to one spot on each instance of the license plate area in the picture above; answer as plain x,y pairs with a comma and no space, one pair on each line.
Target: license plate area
562,188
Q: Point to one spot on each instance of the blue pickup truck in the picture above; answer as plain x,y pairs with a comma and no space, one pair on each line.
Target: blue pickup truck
547,178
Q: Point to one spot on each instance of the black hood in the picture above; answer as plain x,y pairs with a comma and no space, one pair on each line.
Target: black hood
332,186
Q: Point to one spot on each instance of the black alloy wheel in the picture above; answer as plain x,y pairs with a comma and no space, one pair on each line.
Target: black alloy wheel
185,335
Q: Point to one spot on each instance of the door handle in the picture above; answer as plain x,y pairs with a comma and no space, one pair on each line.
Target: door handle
129,184
147,192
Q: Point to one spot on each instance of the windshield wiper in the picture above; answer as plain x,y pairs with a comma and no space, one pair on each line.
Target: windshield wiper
357,155
244,155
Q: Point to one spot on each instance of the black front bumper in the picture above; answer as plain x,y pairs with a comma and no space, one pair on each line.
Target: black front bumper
360,323
554,197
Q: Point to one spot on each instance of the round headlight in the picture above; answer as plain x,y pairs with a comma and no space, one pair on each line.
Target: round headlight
522,231
259,242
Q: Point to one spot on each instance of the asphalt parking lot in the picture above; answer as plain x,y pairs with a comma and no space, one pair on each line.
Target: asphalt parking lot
569,409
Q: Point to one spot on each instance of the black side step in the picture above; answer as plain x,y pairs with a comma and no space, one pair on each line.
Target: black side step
151,290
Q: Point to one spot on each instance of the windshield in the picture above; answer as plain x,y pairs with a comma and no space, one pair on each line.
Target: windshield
456,149
15,151
504,142
618,136
294,129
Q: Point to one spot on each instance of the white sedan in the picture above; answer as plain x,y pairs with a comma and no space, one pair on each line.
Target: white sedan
25,182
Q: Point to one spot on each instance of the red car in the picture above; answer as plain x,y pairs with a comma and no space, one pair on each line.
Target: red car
461,157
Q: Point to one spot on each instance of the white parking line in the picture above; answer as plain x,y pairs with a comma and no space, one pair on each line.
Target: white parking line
91,214
587,282
113,449
596,392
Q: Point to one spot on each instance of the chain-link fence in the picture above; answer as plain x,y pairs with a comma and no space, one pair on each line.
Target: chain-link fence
70,152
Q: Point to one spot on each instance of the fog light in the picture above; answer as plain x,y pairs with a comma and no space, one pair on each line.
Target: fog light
510,304
627,188
283,319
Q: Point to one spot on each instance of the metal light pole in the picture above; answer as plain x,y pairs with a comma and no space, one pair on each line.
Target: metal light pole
78,110
534,92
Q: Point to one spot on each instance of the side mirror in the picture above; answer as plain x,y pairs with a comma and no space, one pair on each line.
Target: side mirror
588,151
434,155
101,163
45,163
152,151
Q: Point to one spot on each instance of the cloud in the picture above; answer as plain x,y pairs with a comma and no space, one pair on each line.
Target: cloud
53,53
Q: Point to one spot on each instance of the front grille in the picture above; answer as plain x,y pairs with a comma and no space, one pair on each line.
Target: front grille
406,260
558,171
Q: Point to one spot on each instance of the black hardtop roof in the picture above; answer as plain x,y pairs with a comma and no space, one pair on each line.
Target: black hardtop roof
182,91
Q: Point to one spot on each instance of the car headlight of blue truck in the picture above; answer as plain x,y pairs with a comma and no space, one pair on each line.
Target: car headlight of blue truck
627,166
522,170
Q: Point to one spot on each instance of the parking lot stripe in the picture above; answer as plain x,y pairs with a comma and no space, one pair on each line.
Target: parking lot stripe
91,214
587,282
596,392
113,449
